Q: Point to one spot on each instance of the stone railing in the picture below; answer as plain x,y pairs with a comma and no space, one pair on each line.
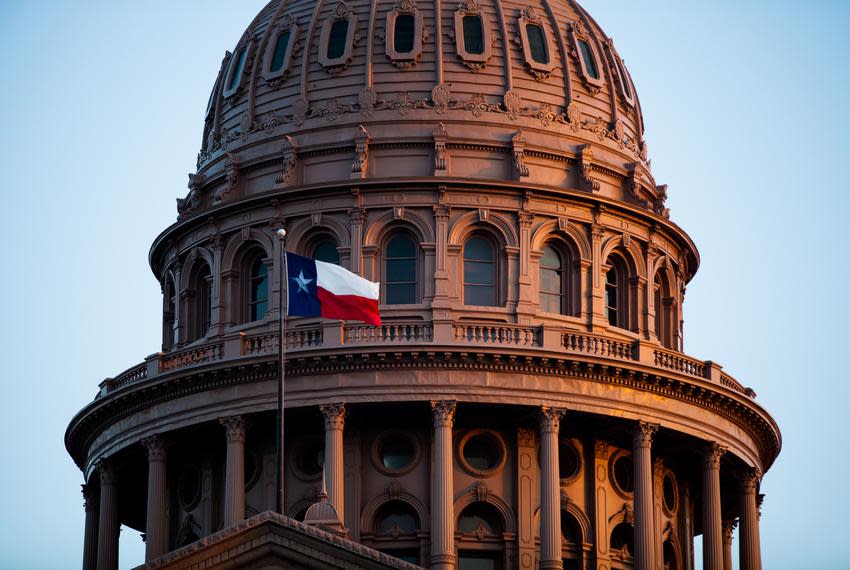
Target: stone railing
680,363
335,335
388,333
192,356
597,346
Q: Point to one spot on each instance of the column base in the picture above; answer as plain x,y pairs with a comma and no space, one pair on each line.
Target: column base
443,562
551,565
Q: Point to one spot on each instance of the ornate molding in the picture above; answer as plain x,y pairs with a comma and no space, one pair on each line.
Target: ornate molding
155,447
585,167
440,155
550,419
334,415
643,433
526,437
443,412
518,142
361,153
290,162
712,455
106,470
750,481
234,428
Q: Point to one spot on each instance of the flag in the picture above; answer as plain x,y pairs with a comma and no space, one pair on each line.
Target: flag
320,289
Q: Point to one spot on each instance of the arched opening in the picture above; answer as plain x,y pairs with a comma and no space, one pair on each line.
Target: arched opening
571,541
555,291
623,543
663,304
325,249
258,288
480,544
400,270
480,271
200,302
396,529
169,313
617,292
669,554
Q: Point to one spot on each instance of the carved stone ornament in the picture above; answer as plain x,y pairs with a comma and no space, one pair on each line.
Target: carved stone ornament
573,116
550,419
290,162
334,415
658,207
577,31
474,61
585,167
192,201
518,143
155,447
513,104
539,70
231,178
600,449
441,97
106,470
750,481
286,24
366,99
634,185
643,434
361,153
234,428
712,455
334,65
404,60
479,490
440,163
526,437
443,412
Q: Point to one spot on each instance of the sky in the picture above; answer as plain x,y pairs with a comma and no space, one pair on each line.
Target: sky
746,110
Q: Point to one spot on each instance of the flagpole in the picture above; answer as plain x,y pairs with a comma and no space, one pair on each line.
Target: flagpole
281,367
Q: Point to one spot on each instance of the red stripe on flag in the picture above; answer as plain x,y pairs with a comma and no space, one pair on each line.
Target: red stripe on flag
349,307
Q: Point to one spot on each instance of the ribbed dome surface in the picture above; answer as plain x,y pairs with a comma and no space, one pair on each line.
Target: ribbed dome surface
388,89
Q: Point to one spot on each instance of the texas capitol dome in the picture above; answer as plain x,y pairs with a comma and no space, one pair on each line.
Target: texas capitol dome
526,402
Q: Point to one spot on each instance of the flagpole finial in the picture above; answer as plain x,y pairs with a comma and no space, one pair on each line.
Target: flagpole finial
281,233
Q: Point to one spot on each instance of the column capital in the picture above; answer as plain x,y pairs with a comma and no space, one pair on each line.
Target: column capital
89,497
155,447
600,449
550,419
334,415
526,437
443,412
712,454
643,433
234,428
106,470
728,527
750,481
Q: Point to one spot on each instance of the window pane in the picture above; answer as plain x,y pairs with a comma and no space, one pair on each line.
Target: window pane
473,35
479,273
550,258
258,303
326,251
626,87
403,36
550,281
478,248
479,295
236,70
589,60
537,43
280,51
401,270
401,294
481,562
550,303
401,522
338,36
401,246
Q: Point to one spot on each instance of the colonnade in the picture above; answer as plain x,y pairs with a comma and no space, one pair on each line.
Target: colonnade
102,523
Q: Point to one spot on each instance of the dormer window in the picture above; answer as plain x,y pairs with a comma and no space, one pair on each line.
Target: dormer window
337,39
404,34
588,60
619,70
472,35
282,44
234,72
584,51
537,43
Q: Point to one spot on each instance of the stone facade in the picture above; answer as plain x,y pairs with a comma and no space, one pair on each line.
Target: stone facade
524,407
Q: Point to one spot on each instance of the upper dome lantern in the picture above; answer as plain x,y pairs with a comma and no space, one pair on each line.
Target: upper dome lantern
325,91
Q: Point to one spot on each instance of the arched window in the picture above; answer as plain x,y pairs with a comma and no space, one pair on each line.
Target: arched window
589,59
337,39
400,270
481,543
473,34
670,559
663,322
571,545
279,54
403,34
537,43
623,542
617,292
234,75
201,305
553,289
479,272
258,294
326,250
169,293
395,527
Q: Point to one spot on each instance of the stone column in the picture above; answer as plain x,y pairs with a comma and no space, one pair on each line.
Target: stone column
155,539
728,528
748,537
334,474
644,519
90,503
550,490
234,476
442,495
712,526
108,524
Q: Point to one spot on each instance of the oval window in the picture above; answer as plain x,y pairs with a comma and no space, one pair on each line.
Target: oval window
236,69
568,461
279,54
189,487
473,34
669,491
337,39
624,474
482,452
537,43
589,60
310,457
397,452
403,33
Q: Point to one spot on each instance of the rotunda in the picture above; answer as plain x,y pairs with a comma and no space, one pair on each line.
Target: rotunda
526,402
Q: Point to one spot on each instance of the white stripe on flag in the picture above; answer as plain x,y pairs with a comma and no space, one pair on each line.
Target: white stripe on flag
339,281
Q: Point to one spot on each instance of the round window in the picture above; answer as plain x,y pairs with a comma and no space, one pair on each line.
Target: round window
569,463
309,457
482,452
252,469
396,451
189,487
624,474
670,494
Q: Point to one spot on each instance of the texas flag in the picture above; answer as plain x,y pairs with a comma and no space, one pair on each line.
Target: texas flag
319,289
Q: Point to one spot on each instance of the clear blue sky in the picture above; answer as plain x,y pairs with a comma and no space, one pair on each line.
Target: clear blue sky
746,106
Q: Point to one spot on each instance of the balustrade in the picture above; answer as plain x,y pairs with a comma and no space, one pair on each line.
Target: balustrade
497,334
190,357
597,346
679,363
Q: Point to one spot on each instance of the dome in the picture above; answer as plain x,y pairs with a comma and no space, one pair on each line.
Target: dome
317,92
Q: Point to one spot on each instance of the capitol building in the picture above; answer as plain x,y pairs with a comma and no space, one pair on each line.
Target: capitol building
524,404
